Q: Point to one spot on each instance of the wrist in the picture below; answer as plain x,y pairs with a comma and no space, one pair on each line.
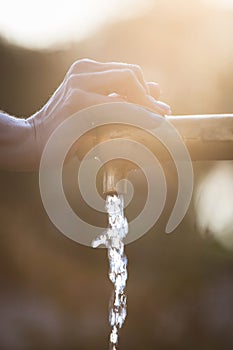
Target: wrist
17,151
34,141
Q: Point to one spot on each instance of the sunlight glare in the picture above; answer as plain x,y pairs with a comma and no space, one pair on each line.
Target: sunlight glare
45,22
227,4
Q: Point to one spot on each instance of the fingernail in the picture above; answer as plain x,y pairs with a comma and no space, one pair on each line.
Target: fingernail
154,85
165,108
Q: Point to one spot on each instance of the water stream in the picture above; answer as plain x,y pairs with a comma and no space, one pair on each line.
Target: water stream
113,240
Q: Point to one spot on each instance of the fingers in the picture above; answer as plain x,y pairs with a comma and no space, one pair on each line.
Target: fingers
163,107
155,92
154,89
137,95
120,81
86,99
91,66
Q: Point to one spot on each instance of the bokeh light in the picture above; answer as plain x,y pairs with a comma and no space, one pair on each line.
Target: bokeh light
48,22
214,204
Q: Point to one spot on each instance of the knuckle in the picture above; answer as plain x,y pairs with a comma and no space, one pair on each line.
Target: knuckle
137,69
73,94
72,68
129,74
71,80
139,72
76,93
81,65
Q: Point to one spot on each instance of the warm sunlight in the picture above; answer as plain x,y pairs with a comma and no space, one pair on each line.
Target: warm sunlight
47,22
221,3
41,23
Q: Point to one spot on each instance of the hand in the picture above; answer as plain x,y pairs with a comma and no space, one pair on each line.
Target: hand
89,83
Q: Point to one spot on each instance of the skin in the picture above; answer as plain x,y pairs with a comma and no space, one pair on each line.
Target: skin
86,83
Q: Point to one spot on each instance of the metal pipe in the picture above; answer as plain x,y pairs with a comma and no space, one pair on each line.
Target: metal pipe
207,137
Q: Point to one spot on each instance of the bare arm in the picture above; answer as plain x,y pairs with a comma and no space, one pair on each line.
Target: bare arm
17,144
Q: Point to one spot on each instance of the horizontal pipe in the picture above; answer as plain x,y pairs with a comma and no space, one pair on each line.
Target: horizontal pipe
207,137
210,127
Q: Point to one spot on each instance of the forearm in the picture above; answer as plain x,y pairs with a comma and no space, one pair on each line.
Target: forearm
18,149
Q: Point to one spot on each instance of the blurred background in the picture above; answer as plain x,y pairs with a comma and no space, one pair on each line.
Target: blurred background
54,292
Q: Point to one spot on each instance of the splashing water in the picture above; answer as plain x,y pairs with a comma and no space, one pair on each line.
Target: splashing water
113,239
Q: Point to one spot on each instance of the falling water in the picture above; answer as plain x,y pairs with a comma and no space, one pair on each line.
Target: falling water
113,239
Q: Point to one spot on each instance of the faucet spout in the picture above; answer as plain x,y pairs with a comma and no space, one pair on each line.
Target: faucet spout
114,174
